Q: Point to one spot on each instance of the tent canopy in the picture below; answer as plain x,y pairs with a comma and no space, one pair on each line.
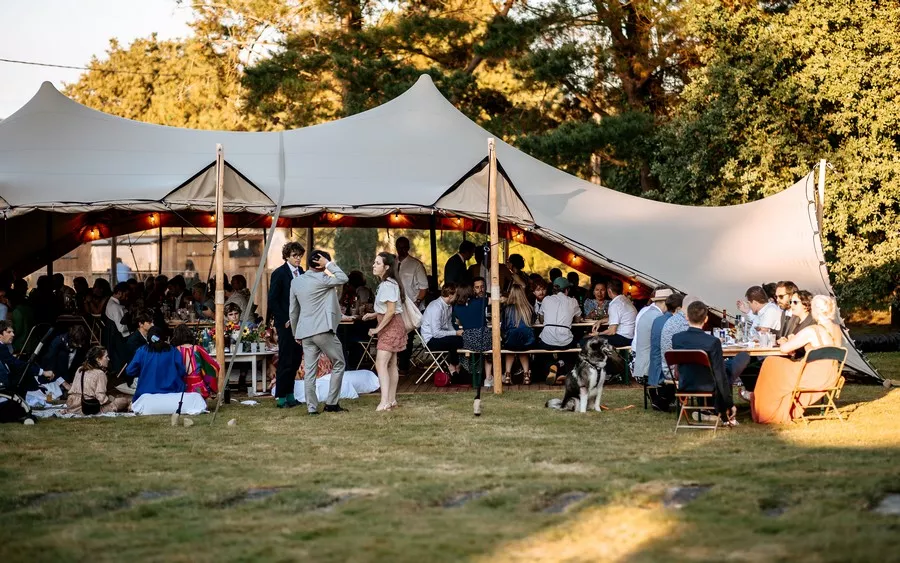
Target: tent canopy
416,154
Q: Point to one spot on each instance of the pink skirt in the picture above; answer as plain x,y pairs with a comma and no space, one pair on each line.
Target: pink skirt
392,338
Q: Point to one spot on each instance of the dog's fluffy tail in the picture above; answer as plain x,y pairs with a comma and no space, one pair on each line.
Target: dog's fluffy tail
557,404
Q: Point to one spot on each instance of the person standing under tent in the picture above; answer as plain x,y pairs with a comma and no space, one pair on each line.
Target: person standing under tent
315,311
289,352
391,330
411,274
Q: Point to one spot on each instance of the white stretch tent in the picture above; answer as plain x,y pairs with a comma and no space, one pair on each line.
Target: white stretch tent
417,154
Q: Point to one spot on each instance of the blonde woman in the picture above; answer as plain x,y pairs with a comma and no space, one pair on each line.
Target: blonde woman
517,332
390,330
770,401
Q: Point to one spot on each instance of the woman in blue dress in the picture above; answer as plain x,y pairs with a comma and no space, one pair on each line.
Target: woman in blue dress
517,332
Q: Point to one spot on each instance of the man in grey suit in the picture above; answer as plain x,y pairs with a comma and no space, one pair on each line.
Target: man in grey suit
315,315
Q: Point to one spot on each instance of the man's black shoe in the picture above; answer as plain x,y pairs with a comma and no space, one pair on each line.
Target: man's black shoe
335,408
660,406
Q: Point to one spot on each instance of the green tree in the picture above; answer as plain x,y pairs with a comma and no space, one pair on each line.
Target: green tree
781,87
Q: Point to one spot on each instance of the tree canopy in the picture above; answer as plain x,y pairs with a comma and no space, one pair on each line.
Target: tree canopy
700,102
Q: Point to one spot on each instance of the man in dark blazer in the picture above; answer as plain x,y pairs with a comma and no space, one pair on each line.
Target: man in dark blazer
783,292
289,352
696,378
455,270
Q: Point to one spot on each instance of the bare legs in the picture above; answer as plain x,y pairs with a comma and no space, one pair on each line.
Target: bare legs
388,377
507,368
393,379
382,366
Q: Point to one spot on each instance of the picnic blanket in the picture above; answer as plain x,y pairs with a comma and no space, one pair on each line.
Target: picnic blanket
354,383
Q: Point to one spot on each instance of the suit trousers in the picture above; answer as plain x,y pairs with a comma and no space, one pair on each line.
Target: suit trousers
288,362
329,344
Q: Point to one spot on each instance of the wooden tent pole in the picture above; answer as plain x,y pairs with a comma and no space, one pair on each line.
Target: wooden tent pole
220,269
113,258
495,268
49,233
432,235
159,251
310,240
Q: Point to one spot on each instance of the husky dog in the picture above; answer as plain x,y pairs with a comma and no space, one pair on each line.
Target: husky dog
585,382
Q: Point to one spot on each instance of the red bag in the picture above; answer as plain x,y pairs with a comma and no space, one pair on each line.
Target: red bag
441,379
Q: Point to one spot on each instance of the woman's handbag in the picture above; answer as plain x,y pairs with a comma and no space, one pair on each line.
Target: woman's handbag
412,317
89,405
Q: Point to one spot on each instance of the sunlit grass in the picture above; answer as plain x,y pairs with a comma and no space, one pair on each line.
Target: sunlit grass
366,486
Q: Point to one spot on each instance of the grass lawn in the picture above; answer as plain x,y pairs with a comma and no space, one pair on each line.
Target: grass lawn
430,482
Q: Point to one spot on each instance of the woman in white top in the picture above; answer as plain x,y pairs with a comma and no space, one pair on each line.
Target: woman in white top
391,330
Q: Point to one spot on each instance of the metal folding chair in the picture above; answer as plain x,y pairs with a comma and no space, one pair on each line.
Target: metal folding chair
688,400
438,360
830,392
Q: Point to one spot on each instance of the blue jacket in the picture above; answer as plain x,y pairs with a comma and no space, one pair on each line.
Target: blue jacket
157,372
697,378
654,373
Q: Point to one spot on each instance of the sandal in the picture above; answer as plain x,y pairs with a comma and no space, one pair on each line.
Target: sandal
526,379
507,379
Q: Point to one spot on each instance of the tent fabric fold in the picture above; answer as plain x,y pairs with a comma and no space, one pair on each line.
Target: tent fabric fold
414,154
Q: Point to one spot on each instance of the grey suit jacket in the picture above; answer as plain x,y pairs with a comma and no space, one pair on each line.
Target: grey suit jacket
315,307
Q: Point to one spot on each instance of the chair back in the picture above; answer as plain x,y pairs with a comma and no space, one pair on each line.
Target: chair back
835,354
675,358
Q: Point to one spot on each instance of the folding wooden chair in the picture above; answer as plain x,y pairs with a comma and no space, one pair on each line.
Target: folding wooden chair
367,351
830,393
438,361
688,400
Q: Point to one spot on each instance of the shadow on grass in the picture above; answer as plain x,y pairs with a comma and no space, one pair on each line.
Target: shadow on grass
432,483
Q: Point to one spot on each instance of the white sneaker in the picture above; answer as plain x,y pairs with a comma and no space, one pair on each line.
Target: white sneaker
489,382
127,389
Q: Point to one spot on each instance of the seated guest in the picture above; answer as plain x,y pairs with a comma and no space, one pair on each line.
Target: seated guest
553,274
233,314
697,378
770,288
455,270
204,306
596,306
479,287
158,367
517,333
95,301
642,342
540,293
356,298
437,327
201,368
22,318
90,381
764,315
13,367
783,292
676,324
66,353
622,315
176,293
470,312
576,292
135,342
559,311
801,305
511,273
117,329
239,293
771,401
661,397
82,289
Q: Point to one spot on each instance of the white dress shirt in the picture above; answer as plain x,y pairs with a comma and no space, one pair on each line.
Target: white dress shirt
560,310
436,320
411,272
